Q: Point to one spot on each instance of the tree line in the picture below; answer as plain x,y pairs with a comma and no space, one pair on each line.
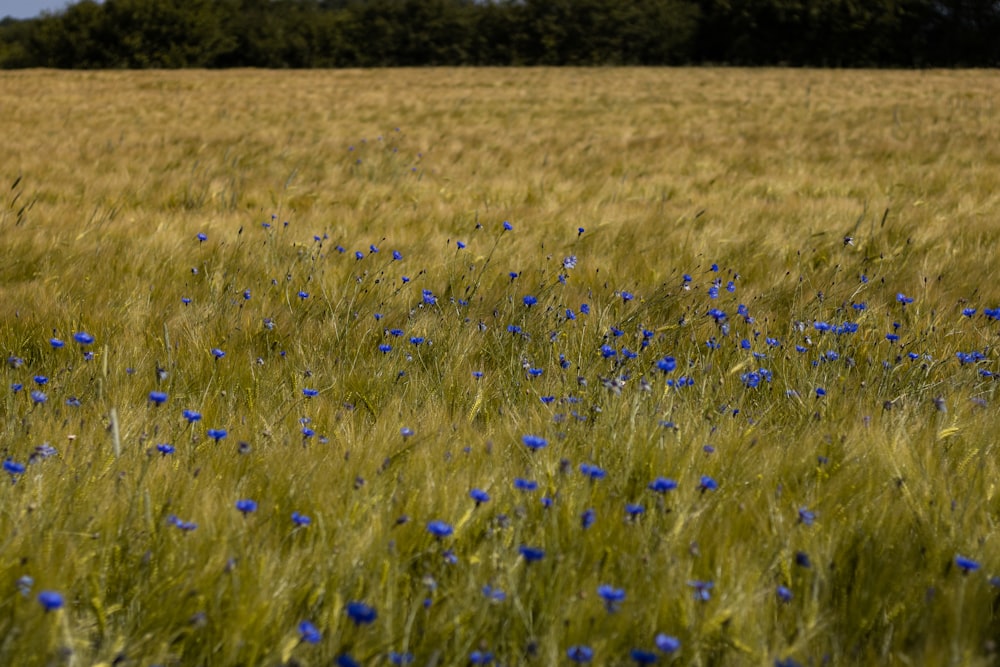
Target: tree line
402,33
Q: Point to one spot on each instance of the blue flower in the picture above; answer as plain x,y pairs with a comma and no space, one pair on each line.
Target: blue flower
702,590
13,468
439,529
525,484
38,397
530,301
968,312
16,387
202,237
165,449
903,299
300,519
406,431
310,393
191,416
309,633
41,380
662,485
507,226
587,518
642,657
494,594
667,364
634,510
820,392
607,351
967,565
708,484
303,295
216,434
806,517
534,442
585,308
580,653
397,658
479,496
802,559
784,594
666,643
186,526
361,613
56,343
217,353
83,338
345,659
157,397
612,596
531,554
246,506
417,340
50,600
480,658
592,471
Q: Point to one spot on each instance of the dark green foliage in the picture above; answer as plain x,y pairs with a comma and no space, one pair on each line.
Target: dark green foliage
404,33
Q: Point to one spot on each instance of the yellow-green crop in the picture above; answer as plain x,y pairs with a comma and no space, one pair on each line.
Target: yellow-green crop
530,366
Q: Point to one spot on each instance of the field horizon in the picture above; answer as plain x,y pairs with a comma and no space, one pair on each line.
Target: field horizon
500,366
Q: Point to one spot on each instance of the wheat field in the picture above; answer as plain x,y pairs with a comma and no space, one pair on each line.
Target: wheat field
512,366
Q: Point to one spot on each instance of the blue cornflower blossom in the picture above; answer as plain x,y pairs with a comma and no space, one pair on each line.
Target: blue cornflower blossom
966,564
522,484
361,613
531,554
246,506
50,600
534,442
439,529
580,653
83,338
157,397
667,643
612,596
642,657
702,590
479,496
662,485
309,633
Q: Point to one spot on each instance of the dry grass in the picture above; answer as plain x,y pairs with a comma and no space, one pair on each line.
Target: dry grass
763,172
